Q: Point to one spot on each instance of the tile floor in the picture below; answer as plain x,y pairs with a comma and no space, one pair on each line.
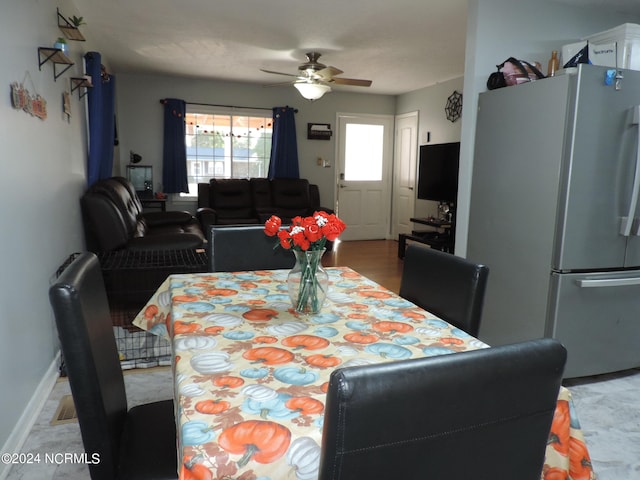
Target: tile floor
143,385
608,407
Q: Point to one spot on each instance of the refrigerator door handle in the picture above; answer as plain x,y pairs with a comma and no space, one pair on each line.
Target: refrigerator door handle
627,222
608,282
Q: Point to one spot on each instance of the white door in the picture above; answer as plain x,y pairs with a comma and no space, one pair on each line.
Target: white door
365,148
404,173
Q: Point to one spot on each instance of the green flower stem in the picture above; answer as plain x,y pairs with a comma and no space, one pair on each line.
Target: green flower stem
309,284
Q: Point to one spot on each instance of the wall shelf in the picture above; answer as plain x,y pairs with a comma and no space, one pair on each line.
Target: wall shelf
78,83
57,57
70,31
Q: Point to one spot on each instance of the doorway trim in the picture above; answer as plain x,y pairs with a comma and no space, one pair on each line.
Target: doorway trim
383,212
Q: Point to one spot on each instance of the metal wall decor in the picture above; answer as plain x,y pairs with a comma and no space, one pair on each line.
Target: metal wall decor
454,106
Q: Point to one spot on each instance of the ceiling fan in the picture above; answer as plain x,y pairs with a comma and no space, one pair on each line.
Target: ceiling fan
314,79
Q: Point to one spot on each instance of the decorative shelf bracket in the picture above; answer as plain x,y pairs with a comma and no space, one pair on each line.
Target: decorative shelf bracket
55,55
80,82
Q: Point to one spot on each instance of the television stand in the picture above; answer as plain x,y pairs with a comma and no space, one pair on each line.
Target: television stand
440,239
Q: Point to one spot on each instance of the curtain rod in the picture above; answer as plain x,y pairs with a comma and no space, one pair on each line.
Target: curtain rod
162,101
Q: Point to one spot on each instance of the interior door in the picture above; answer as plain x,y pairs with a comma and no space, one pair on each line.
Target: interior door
404,173
364,175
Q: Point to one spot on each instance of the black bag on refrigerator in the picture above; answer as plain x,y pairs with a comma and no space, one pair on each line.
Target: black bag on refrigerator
513,72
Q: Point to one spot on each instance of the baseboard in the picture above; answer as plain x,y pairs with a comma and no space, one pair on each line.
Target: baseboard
30,414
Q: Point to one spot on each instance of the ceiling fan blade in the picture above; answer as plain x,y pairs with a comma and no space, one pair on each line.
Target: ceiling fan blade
278,73
315,72
279,84
351,81
328,72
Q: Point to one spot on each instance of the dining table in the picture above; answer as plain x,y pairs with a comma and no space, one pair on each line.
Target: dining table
251,374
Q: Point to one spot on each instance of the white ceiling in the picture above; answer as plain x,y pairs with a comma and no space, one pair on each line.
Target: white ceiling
402,45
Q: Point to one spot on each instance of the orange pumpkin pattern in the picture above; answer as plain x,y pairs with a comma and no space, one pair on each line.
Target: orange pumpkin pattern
252,375
185,327
212,406
308,342
579,460
559,436
228,381
555,473
151,311
256,440
269,355
358,337
392,327
323,361
305,405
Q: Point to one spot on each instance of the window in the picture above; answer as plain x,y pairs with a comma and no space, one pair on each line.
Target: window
226,143
363,152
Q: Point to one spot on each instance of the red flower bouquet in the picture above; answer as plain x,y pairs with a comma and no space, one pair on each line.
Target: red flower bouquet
307,238
308,233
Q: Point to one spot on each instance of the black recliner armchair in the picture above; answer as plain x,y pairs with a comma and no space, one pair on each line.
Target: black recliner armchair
227,201
113,220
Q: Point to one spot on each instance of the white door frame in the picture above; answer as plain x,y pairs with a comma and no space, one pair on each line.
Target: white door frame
382,213
405,165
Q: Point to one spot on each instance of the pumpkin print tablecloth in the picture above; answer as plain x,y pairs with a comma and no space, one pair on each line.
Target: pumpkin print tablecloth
251,375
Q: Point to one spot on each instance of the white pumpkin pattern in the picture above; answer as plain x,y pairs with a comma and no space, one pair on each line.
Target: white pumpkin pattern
223,320
194,342
209,363
304,455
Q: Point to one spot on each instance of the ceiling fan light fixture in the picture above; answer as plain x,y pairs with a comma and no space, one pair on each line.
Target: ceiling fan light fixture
312,90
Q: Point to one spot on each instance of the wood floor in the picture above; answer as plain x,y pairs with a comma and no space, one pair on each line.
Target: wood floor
375,259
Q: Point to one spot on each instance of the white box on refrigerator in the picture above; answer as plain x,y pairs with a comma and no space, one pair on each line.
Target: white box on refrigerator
618,47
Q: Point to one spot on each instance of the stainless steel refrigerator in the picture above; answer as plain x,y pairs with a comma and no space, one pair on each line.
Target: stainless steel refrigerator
555,214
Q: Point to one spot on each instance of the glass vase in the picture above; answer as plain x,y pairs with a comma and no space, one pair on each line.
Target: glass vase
308,281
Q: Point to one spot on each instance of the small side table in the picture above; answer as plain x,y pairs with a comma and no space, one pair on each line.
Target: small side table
160,203
440,241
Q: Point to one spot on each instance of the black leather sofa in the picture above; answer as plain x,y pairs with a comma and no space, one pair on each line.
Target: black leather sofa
113,220
137,250
253,201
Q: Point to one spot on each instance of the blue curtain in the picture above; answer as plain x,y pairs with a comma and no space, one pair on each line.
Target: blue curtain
284,146
174,156
101,101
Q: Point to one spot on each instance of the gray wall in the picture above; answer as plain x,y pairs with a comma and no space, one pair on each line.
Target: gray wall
430,103
43,175
498,29
140,117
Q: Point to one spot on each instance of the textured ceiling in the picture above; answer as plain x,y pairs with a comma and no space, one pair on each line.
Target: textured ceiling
401,45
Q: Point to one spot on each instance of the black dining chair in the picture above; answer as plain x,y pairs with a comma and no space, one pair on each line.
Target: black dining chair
446,285
481,414
135,444
234,248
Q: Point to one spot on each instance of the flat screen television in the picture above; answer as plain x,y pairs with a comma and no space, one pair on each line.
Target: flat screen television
438,172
